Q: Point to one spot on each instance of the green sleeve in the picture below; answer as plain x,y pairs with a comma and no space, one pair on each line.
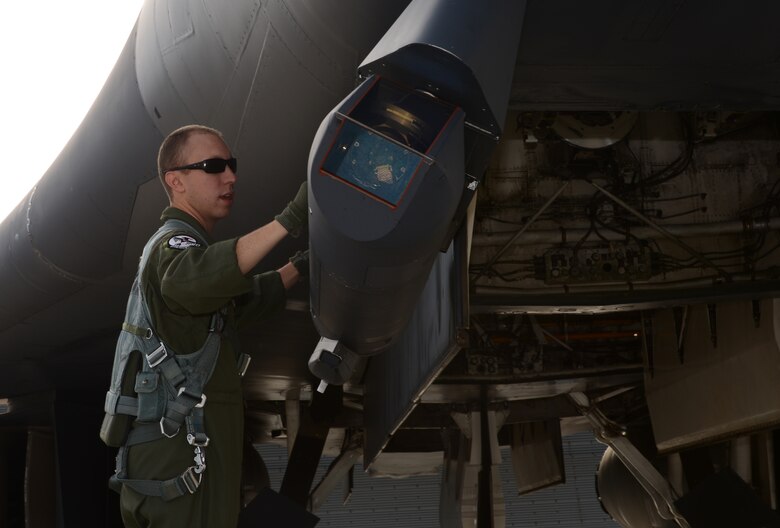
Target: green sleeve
266,299
199,280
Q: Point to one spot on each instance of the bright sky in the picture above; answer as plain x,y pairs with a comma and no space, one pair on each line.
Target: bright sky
55,56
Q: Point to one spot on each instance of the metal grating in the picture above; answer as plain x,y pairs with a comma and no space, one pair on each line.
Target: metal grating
414,501
571,504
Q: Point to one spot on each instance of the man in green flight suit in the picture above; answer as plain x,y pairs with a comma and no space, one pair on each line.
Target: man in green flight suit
188,277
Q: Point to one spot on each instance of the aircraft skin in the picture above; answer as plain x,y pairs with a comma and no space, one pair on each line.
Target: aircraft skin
633,137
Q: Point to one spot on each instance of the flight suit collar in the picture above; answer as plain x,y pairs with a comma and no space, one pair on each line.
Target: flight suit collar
171,212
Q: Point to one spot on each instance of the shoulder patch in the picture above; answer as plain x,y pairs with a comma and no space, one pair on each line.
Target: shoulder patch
182,242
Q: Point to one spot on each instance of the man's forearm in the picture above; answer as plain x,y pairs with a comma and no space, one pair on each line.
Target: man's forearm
289,275
252,247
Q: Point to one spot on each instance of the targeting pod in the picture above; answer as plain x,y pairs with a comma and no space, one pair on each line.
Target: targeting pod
384,185
389,174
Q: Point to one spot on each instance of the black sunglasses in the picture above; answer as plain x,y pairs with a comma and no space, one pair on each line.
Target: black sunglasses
211,166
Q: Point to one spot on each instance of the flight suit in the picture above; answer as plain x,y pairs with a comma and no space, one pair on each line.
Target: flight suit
185,281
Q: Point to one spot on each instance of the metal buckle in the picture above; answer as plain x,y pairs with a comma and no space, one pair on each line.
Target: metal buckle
182,390
243,365
200,460
196,439
156,356
191,479
162,429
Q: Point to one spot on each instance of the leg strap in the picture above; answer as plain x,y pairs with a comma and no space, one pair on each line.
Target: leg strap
167,490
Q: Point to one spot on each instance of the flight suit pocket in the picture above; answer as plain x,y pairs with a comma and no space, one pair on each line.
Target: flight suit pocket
150,400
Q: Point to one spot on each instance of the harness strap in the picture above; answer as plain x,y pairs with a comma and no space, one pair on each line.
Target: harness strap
127,405
118,404
189,396
176,413
142,433
146,333
187,482
167,490
196,431
170,370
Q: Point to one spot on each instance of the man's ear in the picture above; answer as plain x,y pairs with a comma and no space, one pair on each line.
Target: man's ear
173,179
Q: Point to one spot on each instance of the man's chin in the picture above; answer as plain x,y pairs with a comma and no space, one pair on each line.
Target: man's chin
224,207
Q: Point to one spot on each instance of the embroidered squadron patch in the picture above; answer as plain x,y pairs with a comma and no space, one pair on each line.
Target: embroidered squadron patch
182,242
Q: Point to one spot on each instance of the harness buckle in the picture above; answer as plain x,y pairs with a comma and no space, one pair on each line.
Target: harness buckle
165,421
191,479
198,439
200,460
183,390
156,356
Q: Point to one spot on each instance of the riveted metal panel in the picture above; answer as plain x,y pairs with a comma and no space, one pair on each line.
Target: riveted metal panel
396,379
